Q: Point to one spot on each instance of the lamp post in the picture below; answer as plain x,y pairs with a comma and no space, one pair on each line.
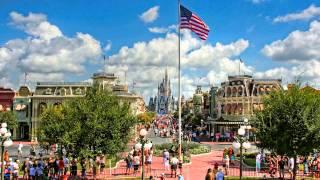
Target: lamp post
5,142
143,143
241,142
247,126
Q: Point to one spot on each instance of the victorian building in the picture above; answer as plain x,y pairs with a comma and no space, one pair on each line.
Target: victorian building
163,103
240,97
54,93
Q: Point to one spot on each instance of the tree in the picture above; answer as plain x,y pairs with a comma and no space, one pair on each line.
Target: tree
10,118
89,125
290,122
99,122
52,126
146,118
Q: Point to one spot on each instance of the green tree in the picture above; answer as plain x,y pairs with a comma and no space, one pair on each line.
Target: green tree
146,118
52,126
10,118
88,125
290,122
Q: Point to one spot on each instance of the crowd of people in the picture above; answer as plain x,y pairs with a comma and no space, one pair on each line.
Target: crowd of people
52,167
278,166
134,160
164,126
215,173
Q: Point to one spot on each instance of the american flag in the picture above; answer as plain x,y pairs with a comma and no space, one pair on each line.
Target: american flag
189,20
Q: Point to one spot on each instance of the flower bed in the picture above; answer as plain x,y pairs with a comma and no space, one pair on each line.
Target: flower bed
187,149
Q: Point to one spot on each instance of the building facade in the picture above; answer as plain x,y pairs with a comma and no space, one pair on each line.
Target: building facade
22,108
240,97
55,93
163,103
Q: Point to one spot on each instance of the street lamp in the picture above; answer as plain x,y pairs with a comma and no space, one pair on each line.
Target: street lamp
241,142
247,126
143,143
5,142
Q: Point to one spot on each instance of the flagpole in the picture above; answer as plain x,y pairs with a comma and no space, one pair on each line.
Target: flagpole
239,65
179,82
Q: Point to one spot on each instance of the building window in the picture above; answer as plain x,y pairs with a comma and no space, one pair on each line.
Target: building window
48,91
78,91
41,108
63,91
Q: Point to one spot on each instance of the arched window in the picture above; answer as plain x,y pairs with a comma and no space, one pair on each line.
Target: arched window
234,92
228,91
240,91
41,108
57,105
63,91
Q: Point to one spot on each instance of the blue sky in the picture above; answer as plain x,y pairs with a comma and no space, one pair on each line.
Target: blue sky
241,28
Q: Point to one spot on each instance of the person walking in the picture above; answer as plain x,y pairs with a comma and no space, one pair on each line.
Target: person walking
39,172
149,160
166,157
129,160
66,165
83,164
258,162
73,170
136,163
291,166
281,165
209,175
174,165
102,164
61,166
32,173
15,169
305,165
227,165
219,175
20,150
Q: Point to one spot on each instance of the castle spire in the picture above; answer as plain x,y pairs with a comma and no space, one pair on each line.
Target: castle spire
166,74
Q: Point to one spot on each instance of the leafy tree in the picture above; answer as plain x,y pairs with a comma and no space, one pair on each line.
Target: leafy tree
290,122
146,118
52,126
99,122
89,125
10,118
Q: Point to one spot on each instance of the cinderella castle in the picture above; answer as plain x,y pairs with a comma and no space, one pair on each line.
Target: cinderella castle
163,103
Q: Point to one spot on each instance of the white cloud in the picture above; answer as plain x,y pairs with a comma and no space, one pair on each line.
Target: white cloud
301,51
107,47
306,14
306,72
162,30
46,54
298,46
5,82
150,15
145,62
35,25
